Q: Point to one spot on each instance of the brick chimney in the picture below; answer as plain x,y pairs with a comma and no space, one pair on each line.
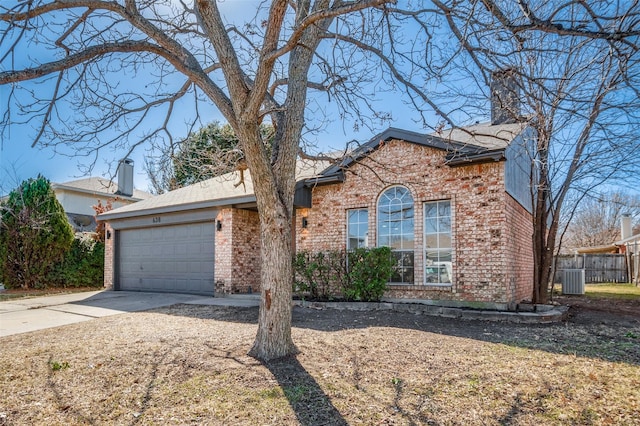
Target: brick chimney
125,177
505,97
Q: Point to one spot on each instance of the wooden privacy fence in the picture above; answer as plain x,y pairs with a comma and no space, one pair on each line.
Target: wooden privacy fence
598,268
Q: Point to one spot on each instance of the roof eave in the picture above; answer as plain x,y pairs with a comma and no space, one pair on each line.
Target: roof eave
462,154
177,208
457,159
55,186
336,177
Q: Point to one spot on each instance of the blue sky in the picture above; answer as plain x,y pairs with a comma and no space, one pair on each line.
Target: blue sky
19,161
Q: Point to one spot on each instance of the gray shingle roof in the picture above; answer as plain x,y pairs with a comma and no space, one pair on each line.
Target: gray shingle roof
483,135
218,191
98,185
223,190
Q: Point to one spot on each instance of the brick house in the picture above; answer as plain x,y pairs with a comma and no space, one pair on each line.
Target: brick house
454,206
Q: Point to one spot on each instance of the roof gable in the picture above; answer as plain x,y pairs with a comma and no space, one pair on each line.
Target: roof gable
477,143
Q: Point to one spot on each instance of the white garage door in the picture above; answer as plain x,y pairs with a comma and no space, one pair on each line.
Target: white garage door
175,258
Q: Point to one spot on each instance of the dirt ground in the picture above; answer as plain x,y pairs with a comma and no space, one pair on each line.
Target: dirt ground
604,309
187,364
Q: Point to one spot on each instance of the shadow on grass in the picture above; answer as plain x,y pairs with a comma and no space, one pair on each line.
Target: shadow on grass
307,399
586,337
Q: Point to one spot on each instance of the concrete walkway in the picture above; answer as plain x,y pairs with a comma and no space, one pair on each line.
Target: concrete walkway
30,314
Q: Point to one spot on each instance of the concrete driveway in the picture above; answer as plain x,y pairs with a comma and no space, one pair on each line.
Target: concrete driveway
24,315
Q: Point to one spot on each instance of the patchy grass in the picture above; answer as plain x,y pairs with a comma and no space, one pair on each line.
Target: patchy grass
613,291
18,293
188,365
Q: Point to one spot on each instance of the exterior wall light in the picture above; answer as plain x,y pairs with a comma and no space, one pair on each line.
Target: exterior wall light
305,222
218,226
108,235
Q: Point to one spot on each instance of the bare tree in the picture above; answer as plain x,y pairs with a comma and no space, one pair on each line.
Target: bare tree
572,74
126,67
211,151
596,221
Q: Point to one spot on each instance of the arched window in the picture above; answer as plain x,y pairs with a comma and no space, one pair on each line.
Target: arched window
395,230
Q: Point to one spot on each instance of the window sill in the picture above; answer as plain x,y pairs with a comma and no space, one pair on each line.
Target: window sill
430,286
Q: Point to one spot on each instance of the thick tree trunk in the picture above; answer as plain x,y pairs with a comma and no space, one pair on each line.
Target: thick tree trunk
274,187
542,264
273,339
543,239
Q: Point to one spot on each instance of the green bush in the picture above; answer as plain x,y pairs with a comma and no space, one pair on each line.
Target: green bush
304,273
318,274
369,273
323,275
34,234
83,265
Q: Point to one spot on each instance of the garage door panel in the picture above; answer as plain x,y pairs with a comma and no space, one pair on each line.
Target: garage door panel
176,258
207,268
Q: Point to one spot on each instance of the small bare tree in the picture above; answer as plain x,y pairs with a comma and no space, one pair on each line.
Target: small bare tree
596,220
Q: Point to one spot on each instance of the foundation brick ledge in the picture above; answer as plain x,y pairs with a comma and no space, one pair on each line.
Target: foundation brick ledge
544,314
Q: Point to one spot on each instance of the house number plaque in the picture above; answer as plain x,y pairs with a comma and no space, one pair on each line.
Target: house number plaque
156,219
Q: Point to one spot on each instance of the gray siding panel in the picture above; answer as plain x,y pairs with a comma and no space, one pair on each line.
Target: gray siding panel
519,167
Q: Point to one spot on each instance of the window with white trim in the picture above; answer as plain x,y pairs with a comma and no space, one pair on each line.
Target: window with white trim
357,228
437,242
396,230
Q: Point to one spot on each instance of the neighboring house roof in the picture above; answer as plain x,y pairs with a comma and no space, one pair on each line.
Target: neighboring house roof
482,135
631,239
99,186
477,143
223,190
609,248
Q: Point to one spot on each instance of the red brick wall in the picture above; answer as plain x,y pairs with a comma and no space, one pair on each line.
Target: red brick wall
519,250
246,250
237,255
480,219
491,232
223,268
109,258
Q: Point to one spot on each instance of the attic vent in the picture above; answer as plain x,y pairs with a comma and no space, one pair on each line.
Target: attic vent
573,281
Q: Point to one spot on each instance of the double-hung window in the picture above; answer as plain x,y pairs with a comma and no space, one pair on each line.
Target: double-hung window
437,242
357,228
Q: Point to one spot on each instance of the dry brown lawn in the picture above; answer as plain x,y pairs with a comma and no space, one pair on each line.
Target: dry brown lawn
188,365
